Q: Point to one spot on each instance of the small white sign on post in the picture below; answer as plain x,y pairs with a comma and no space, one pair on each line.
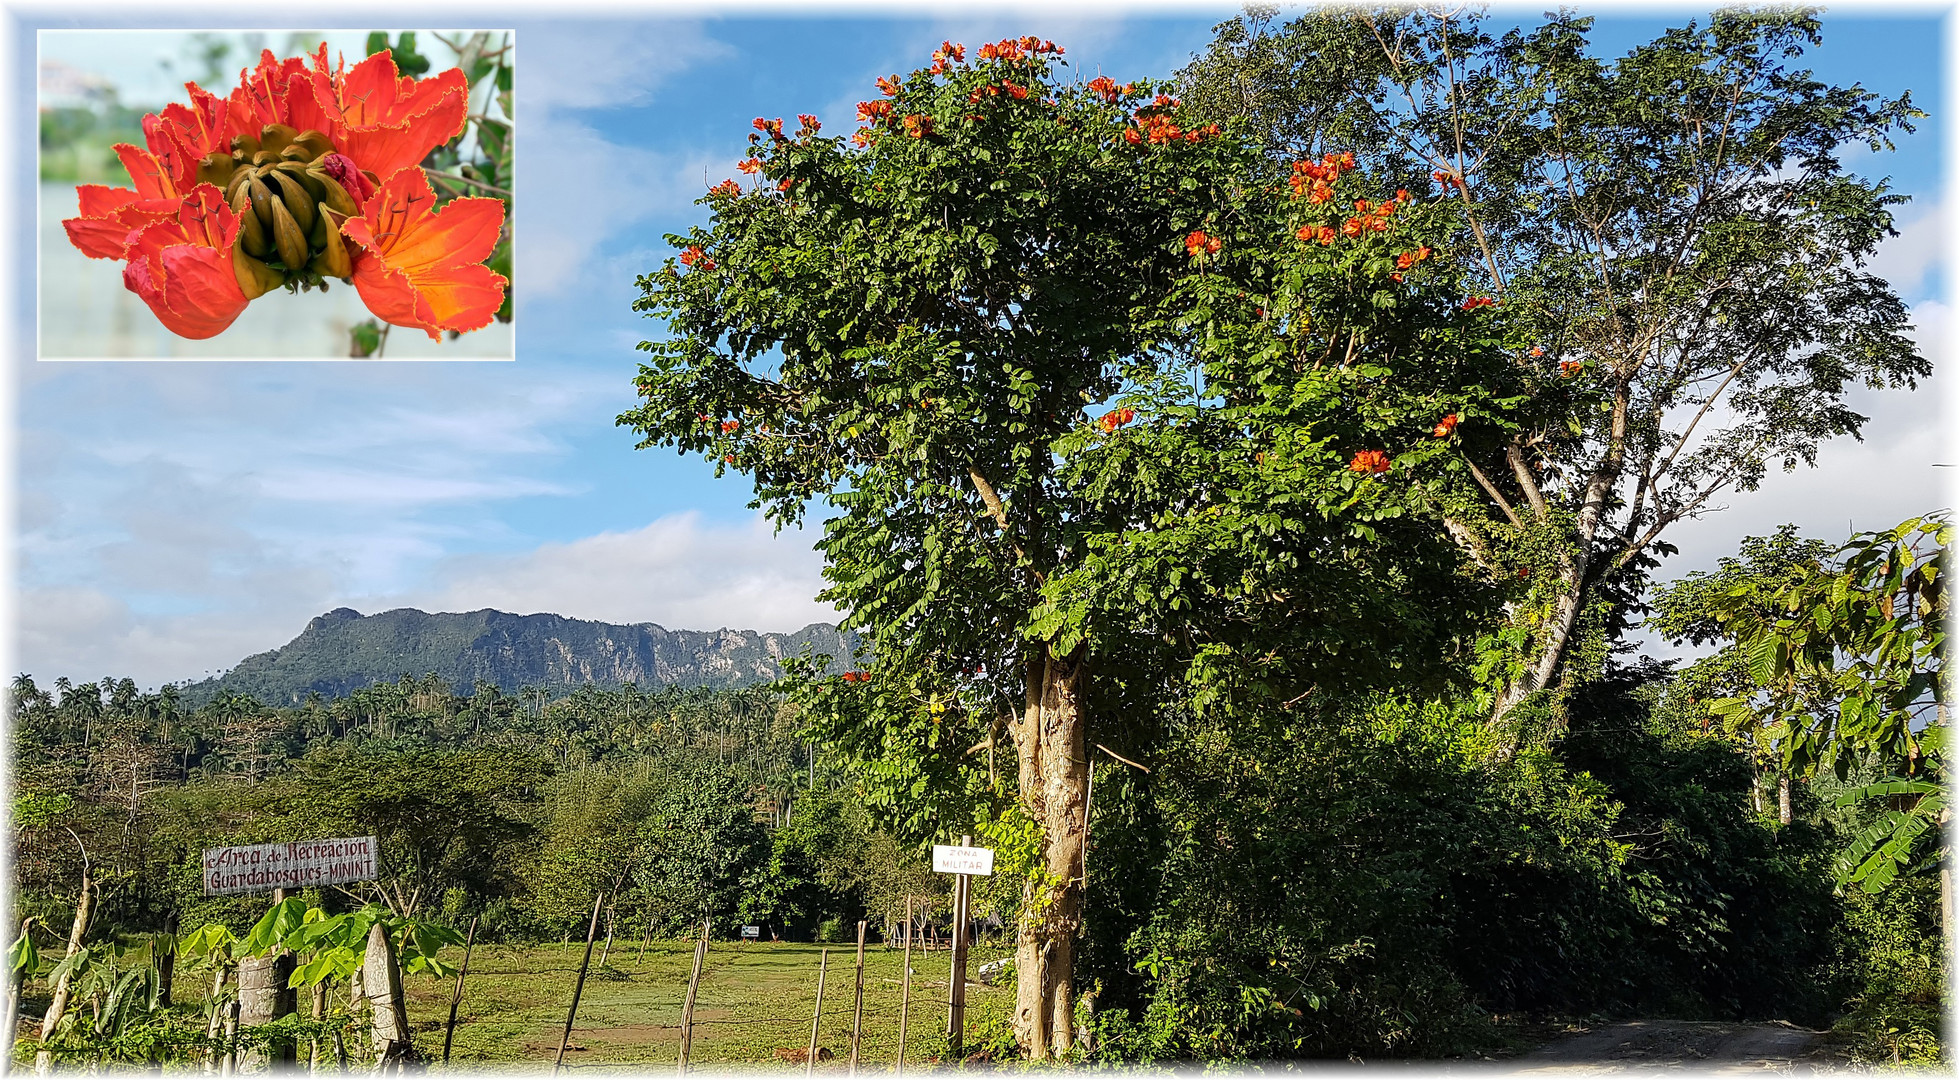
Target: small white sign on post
308,863
947,859
751,932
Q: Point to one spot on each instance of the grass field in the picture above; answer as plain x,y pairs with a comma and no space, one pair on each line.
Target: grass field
754,999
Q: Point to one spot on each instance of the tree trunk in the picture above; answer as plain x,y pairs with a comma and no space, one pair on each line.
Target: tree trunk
1783,805
262,998
58,1004
166,963
1052,746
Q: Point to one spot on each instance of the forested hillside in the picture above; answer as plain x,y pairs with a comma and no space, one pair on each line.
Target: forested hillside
343,650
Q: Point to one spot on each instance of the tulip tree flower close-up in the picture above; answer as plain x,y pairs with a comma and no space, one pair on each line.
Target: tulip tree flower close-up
311,170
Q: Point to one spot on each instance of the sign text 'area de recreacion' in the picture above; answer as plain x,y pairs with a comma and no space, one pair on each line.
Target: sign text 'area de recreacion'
948,859
304,864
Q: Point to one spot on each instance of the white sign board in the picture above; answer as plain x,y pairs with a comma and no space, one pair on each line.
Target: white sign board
264,867
751,931
962,860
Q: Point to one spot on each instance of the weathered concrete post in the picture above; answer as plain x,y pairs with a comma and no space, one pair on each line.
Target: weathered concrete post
394,1051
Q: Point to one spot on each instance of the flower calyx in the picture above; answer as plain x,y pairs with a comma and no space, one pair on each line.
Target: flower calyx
292,192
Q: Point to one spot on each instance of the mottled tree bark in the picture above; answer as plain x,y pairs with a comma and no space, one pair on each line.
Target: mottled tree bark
1052,747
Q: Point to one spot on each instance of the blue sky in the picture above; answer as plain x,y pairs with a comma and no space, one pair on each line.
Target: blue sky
173,517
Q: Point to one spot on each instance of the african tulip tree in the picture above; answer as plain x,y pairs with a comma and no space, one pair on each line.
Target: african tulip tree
922,326
1672,230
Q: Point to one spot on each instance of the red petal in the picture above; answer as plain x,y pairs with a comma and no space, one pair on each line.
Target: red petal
391,123
149,176
423,267
201,291
181,267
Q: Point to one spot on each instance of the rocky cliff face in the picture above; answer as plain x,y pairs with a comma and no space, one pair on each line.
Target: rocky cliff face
343,650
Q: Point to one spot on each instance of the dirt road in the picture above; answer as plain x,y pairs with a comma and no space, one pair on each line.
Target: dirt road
1698,1046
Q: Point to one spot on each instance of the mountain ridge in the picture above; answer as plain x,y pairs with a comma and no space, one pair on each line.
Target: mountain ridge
342,650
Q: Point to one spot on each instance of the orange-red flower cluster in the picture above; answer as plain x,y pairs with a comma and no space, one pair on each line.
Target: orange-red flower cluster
1157,128
1199,244
751,166
1447,425
1371,462
771,128
1315,179
338,146
730,426
811,125
1369,217
1475,302
1448,179
1568,368
725,187
856,676
1108,89
873,111
697,259
1325,234
1115,418
950,51
1409,258
1012,49
918,126
890,86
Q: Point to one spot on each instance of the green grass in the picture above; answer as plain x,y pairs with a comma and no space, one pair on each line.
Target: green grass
754,999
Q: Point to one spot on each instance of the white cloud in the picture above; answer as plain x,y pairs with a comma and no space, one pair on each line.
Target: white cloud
677,571
582,189
1893,474
181,516
1904,259
597,64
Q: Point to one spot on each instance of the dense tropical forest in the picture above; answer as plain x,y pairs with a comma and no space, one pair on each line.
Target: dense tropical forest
1251,493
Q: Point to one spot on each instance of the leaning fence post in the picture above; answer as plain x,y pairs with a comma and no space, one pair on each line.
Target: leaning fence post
693,989
578,987
857,1020
816,1022
449,1035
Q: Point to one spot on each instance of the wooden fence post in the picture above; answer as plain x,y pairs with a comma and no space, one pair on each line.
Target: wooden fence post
956,1025
578,987
455,1002
693,990
857,1019
816,1022
904,991
611,911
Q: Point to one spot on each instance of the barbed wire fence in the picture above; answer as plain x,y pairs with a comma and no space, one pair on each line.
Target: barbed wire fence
808,1040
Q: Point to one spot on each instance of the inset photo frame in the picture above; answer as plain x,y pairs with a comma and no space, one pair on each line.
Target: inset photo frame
269,195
